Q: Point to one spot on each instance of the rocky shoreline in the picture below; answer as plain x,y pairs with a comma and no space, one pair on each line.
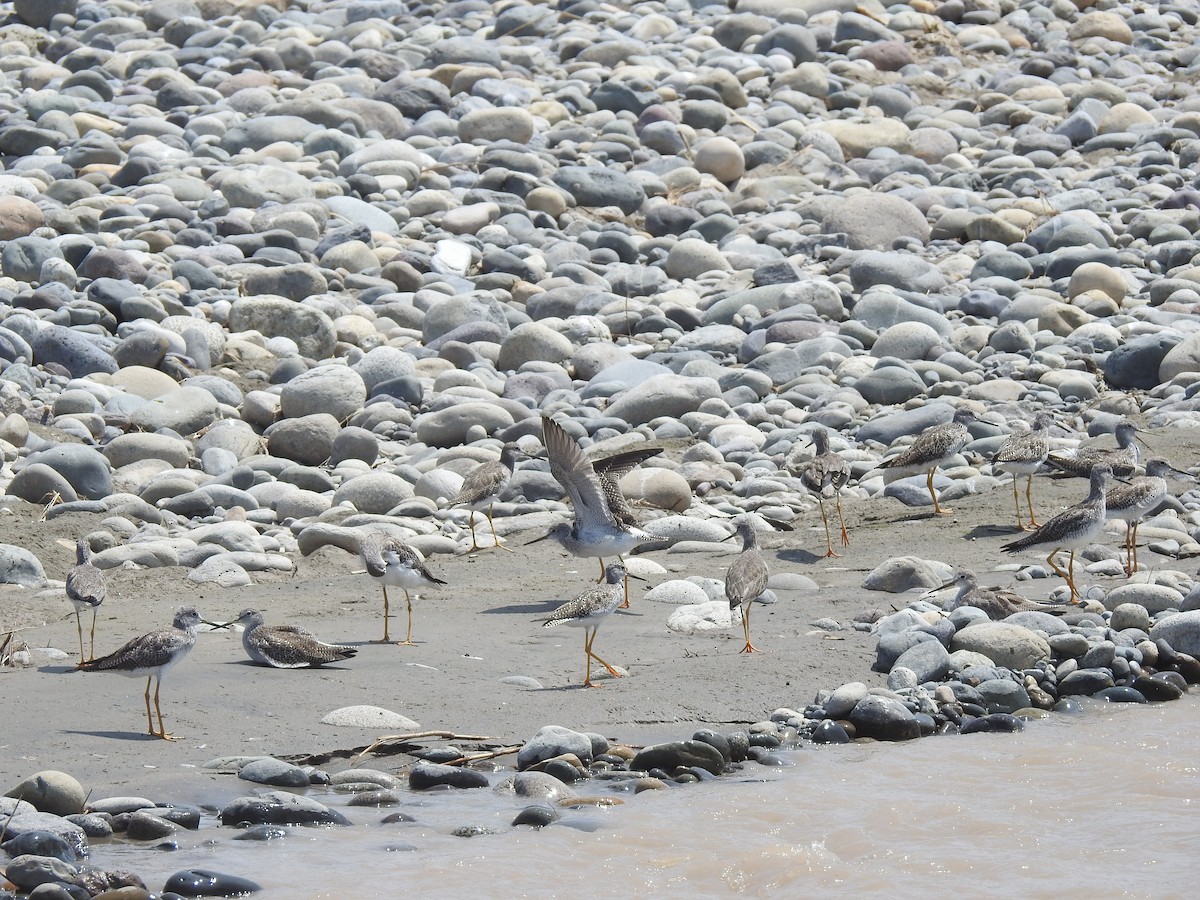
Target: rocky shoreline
275,274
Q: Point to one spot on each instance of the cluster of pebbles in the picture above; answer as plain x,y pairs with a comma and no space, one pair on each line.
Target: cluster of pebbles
312,261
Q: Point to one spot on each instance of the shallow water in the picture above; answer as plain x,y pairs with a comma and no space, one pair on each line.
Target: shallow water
1103,804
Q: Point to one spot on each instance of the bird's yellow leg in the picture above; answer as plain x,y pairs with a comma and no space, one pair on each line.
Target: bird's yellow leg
625,605
1065,576
1017,503
496,540
91,640
408,641
842,521
79,628
749,648
828,540
588,634
149,718
937,509
1029,500
386,615
1133,546
471,523
162,731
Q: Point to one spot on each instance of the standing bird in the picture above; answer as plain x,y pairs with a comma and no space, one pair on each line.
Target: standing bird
595,530
1023,454
1072,528
284,646
588,611
1123,460
481,487
998,603
826,471
747,576
1133,500
153,655
932,448
391,561
86,590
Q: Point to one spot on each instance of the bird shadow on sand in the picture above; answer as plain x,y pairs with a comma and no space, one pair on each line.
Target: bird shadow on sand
529,609
993,531
116,735
60,670
799,555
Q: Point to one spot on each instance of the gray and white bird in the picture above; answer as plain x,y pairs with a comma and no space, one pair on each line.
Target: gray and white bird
933,447
611,469
595,531
747,576
1023,453
391,561
153,655
1071,529
1133,500
481,487
285,646
86,589
825,473
1123,459
588,610
997,602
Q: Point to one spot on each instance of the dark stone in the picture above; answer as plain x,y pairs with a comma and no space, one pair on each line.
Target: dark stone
537,816
1121,694
1085,682
739,745
261,833
830,732
996,722
884,719
40,843
206,883
707,736
279,808
1135,364
680,754
424,776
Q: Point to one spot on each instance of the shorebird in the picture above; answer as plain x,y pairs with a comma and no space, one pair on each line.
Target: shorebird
826,471
933,447
284,646
1134,499
747,576
595,530
391,561
1072,528
1023,454
86,590
588,611
997,602
611,469
481,487
153,655
1122,460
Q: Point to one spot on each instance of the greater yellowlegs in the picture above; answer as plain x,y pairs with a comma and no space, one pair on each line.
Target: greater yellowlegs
152,655
1133,500
825,472
481,487
391,561
747,576
86,590
611,469
1122,460
1071,529
588,611
933,447
284,646
595,530
1023,453
997,602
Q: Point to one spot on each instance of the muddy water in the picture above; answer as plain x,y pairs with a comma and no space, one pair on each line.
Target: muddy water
1104,804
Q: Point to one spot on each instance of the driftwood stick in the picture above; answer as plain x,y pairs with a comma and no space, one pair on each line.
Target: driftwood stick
415,735
467,758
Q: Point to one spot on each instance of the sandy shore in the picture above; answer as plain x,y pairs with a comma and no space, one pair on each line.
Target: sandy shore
480,629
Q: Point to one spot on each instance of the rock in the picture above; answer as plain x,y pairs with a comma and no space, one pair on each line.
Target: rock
279,808
369,717
675,755
184,410
1002,695
843,700
884,719
676,592
50,791
374,492
658,487
1181,631
532,341
699,618
448,427
692,257
19,566
424,776
595,186
928,660
1154,598
537,816
273,772
78,353
207,883
311,329
904,573
1006,645
662,396
338,391
85,469
307,440
496,124
874,221
552,741
27,872
144,826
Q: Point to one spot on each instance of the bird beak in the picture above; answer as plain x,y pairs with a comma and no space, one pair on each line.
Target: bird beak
730,538
948,584
635,577
1138,438
216,627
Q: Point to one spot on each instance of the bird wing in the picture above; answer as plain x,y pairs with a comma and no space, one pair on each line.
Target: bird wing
574,472
481,482
598,599
86,584
289,648
746,579
144,652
